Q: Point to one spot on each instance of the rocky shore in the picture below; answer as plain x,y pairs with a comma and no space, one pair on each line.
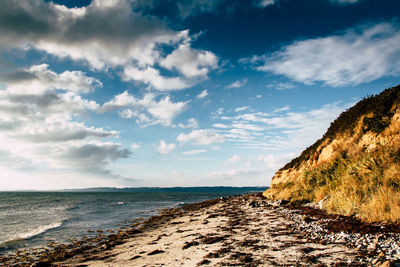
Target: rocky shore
237,231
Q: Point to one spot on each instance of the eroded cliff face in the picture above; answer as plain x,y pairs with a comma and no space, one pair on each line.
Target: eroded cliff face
355,167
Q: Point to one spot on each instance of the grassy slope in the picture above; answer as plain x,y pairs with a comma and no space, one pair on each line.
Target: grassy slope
362,176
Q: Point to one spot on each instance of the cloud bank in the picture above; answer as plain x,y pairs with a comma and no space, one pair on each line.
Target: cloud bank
40,125
359,55
104,35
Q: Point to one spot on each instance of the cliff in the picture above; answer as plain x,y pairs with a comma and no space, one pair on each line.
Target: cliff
354,169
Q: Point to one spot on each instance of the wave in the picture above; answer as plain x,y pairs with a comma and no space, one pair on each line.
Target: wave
179,204
34,232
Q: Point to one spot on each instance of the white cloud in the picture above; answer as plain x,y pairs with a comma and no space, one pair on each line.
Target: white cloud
234,159
135,146
201,137
165,110
360,55
221,125
202,94
86,155
278,131
62,154
190,62
275,161
235,173
237,84
57,129
247,126
165,148
38,79
343,2
194,152
152,76
281,86
104,37
285,108
191,8
33,106
156,112
191,123
139,117
241,108
39,123
264,3
41,112
122,100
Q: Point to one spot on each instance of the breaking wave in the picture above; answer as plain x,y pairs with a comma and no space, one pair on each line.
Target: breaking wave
34,232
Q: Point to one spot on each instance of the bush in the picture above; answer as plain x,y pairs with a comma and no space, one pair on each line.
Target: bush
375,124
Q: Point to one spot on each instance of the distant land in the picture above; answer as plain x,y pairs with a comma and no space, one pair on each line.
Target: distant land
168,189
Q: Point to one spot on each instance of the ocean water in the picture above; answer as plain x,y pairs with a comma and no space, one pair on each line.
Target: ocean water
33,219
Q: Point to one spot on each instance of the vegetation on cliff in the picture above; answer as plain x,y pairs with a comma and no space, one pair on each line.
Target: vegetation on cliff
355,166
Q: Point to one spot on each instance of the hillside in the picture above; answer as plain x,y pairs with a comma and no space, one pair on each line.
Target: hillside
354,169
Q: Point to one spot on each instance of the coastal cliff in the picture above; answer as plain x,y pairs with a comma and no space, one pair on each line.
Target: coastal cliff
354,169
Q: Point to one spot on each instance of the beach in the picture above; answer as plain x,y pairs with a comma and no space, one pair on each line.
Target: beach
243,230
31,220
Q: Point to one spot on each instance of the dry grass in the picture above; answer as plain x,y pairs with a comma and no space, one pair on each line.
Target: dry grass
360,181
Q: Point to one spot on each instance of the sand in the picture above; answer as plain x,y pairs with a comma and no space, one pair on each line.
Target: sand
237,231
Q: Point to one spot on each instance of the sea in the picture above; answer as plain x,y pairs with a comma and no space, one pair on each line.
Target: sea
34,219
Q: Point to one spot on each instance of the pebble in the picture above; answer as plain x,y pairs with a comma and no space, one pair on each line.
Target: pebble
385,247
378,248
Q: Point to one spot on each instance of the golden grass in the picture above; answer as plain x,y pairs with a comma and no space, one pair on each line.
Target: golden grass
366,185
361,178
383,205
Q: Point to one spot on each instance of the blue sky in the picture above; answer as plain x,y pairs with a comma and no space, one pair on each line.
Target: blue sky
132,93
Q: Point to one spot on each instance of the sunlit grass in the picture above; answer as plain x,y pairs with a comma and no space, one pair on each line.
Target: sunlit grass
361,176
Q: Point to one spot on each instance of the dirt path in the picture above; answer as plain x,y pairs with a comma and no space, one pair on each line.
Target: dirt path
239,231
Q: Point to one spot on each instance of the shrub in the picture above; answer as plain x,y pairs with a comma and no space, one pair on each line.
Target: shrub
375,124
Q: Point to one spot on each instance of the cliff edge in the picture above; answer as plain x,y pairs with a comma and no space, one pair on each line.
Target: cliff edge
354,169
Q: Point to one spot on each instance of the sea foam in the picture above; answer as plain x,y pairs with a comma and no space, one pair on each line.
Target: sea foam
34,232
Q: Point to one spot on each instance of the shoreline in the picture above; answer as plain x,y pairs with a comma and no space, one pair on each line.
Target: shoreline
245,230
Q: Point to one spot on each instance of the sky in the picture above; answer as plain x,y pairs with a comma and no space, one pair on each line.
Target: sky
132,93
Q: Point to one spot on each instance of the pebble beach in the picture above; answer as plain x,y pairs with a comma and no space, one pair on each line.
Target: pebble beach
245,230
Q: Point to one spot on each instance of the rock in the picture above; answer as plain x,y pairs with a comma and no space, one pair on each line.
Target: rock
254,204
307,219
375,261
385,264
282,202
323,201
372,246
312,205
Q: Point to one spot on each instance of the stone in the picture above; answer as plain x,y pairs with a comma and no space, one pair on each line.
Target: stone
372,246
282,202
323,201
254,204
375,261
